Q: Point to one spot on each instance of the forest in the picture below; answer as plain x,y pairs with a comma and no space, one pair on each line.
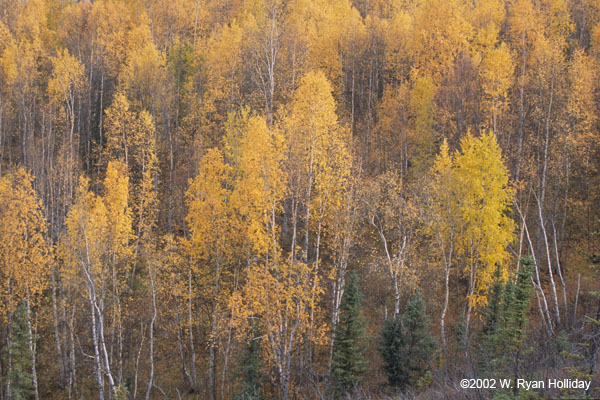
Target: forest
299,199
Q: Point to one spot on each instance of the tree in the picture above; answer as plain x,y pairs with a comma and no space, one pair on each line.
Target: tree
20,356
484,197
348,363
488,339
391,350
501,342
66,82
96,250
24,254
131,139
496,73
250,366
394,216
443,222
318,166
407,346
212,243
515,315
420,345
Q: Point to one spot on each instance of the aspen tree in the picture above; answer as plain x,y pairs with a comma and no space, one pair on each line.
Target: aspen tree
444,222
485,229
211,242
97,248
24,256
318,169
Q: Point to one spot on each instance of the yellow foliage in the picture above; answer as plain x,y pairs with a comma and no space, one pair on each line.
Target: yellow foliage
24,253
496,73
472,197
98,229
67,77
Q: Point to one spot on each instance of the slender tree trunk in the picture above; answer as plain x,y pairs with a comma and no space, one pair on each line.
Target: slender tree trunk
59,353
151,332
97,362
544,312
32,350
8,387
447,264
191,333
137,359
594,347
549,262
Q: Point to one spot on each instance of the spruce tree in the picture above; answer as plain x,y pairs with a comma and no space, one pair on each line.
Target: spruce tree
419,342
407,346
348,363
20,356
487,340
517,301
250,376
392,352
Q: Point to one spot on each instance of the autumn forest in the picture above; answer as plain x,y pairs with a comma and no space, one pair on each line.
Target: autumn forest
299,199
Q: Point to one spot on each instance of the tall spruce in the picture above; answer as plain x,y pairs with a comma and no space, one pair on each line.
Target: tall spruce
348,363
500,343
487,340
250,376
517,301
392,352
20,356
408,346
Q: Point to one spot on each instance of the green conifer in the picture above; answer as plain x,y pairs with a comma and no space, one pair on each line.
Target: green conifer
250,374
392,351
407,346
20,356
348,363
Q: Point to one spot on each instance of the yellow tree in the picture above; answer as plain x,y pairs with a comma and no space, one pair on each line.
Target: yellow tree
484,229
131,138
21,63
422,110
143,75
318,169
222,57
24,254
468,217
497,73
442,222
441,31
212,241
278,294
96,250
66,81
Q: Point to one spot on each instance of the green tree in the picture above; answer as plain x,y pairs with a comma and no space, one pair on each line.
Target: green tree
20,375
408,346
487,341
517,299
505,321
249,374
420,345
348,364
392,350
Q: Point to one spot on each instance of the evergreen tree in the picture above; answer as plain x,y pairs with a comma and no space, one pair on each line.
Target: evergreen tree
500,342
517,308
250,375
420,345
408,346
517,299
392,351
20,356
348,363
487,341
